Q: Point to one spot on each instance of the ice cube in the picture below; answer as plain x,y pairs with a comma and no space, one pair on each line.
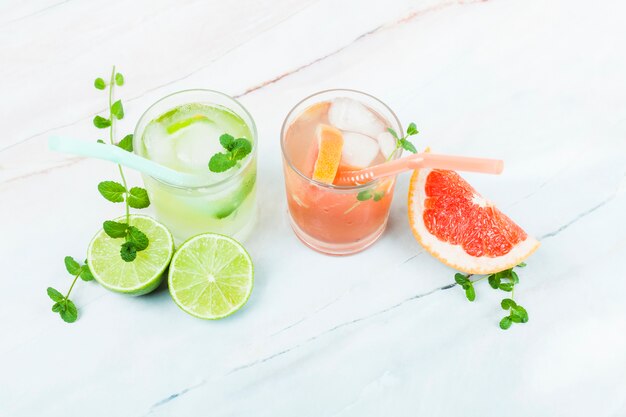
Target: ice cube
159,146
358,150
350,115
387,144
196,144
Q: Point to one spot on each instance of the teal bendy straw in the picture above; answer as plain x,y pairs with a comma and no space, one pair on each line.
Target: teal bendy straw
128,159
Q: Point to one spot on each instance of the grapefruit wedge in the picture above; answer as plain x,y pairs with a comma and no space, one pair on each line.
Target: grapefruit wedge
459,227
330,143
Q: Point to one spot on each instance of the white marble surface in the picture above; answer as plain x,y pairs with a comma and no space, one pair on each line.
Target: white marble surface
541,84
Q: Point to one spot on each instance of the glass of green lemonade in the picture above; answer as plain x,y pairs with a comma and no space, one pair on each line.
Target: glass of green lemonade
182,131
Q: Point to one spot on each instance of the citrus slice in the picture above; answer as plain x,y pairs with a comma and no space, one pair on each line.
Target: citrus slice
330,142
459,227
211,276
140,276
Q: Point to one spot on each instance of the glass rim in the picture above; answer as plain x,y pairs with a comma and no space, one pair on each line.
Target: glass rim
251,125
323,184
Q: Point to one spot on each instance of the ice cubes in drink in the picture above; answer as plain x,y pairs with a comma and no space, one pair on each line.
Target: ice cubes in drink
387,144
359,151
352,116
200,142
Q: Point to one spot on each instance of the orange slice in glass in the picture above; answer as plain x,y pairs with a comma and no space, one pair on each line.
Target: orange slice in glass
330,141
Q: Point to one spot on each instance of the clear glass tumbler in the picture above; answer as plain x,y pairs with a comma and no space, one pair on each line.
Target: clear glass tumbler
227,204
333,219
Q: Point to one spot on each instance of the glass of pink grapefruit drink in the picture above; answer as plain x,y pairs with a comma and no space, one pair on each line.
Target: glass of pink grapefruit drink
325,134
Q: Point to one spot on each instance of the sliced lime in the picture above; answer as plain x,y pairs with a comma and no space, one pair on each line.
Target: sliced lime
140,276
211,276
176,126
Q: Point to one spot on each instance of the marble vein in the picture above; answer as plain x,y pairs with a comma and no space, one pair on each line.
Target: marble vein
409,18
157,87
342,325
577,218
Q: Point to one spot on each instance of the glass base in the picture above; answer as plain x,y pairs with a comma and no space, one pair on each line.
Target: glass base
241,235
336,249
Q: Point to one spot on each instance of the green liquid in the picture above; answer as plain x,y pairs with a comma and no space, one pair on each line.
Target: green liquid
184,138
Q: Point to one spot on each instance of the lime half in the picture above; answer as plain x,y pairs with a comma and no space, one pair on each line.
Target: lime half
140,276
211,276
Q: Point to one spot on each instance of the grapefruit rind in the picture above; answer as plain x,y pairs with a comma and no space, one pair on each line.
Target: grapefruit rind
453,255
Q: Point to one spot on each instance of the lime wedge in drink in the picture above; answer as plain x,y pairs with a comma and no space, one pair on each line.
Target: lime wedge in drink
140,276
211,276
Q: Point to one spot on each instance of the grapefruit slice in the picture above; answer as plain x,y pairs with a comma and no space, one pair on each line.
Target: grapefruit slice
459,227
330,142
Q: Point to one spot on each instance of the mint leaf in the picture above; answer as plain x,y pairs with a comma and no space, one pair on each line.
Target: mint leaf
137,238
494,281
227,141
86,274
57,307
221,162
507,303
470,293
100,141
378,195
115,229
521,265
519,311
240,148
460,279
117,110
101,123
70,313
138,198
126,143
99,84
505,323
119,79
72,266
393,133
505,286
514,277
128,252
55,295
412,130
112,191
407,145
364,195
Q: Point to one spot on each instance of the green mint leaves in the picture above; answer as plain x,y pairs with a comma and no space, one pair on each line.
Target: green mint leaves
126,143
62,303
503,281
467,285
369,194
136,197
99,84
236,150
112,191
403,142
117,110
101,123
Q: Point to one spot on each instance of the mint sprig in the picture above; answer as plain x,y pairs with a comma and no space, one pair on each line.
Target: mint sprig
504,281
136,197
62,303
403,142
236,150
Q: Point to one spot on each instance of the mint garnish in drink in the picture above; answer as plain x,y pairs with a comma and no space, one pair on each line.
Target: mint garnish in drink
236,150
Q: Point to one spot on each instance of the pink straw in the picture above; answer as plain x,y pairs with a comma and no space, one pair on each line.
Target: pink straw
421,160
